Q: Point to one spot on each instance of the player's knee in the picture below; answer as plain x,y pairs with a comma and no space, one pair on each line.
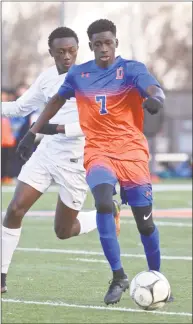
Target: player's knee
104,207
62,233
146,229
103,198
144,219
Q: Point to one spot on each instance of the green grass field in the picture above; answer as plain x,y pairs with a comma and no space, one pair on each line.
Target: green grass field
53,281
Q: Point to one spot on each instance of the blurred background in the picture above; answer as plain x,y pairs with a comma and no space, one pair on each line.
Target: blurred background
158,34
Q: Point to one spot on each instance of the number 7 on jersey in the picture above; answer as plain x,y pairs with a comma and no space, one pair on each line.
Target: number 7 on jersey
103,101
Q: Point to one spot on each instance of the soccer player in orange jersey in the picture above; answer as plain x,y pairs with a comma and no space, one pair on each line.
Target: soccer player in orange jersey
111,93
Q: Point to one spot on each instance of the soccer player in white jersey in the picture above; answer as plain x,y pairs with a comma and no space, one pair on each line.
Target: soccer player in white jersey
58,158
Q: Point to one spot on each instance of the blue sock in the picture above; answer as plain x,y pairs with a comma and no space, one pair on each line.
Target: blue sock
107,232
152,249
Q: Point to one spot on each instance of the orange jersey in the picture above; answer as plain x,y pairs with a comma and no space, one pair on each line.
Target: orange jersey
110,108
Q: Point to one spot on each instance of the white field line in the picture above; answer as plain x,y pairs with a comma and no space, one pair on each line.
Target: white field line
119,309
88,260
98,260
160,223
156,188
83,252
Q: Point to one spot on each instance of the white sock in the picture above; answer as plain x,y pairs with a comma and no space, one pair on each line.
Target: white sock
10,240
87,221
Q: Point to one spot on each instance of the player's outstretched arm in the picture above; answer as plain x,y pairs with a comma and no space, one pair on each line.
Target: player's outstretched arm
32,100
13,109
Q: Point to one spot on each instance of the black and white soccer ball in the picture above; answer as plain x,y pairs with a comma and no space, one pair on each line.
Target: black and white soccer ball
150,290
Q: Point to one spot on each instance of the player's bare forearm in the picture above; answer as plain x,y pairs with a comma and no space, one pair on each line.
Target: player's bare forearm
71,130
52,107
155,99
60,129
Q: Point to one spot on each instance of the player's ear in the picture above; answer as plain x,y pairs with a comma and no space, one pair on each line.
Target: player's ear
90,46
116,43
50,51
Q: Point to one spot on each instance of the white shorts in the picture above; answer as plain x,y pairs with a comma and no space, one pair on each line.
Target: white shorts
39,172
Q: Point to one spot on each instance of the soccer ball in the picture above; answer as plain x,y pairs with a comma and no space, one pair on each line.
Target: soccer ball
150,290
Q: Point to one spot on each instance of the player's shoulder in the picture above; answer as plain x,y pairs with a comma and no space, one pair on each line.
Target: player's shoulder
48,73
133,63
46,76
133,67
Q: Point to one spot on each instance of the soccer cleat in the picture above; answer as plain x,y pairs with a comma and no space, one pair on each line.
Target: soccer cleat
3,283
117,212
114,293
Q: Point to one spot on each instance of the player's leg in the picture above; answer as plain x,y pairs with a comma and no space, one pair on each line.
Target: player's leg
140,200
24,197
149,235
69,221
137,192
87,220
101,181
65,222
33,181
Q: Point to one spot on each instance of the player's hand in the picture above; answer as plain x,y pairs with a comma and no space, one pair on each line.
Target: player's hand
152,105
25,147
48,129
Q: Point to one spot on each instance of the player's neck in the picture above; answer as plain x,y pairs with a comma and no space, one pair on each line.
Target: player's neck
105,65
61,71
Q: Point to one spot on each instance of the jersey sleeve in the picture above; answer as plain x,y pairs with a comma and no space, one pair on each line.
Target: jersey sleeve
30,101
141,78
67,89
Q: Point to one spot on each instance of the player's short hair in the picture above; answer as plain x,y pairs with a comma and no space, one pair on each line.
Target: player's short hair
61,32
101,25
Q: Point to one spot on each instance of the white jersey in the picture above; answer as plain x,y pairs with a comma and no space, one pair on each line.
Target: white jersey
59,148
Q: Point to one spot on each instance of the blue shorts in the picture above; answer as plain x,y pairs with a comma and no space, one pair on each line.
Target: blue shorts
136,196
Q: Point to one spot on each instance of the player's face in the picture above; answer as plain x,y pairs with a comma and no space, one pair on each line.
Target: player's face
104,45
64,51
